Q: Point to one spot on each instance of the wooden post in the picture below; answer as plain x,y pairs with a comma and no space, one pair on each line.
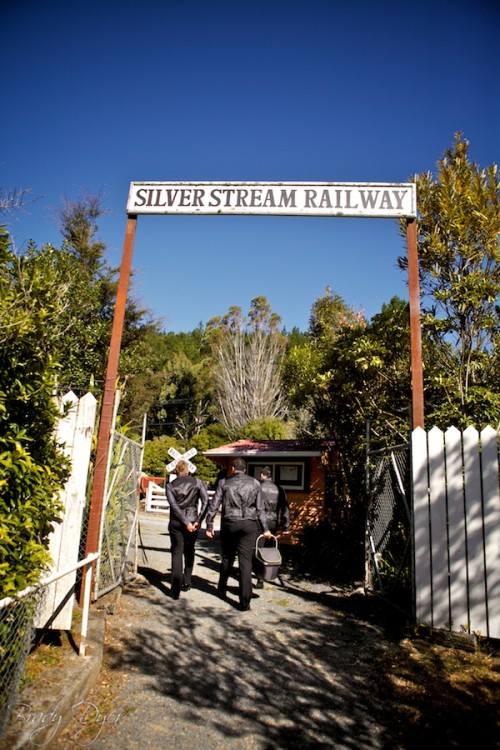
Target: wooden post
417,380
105,425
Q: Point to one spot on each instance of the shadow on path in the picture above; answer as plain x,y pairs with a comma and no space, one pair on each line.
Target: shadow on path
294,679
310,665
294,672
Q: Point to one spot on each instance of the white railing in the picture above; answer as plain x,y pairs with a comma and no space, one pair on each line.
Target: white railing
87,586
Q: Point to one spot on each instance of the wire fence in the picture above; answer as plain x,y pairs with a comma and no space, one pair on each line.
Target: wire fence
18,615
17,631
120,515
389,569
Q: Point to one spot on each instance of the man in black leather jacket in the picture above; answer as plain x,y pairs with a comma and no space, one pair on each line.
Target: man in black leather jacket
242,512
276,507
275,503
186,514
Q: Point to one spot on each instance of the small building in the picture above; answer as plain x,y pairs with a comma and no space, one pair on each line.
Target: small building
300,467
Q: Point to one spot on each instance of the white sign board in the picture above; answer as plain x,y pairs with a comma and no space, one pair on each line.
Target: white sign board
374,200
173,453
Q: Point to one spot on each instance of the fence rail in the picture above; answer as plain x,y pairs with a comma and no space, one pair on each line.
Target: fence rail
457,529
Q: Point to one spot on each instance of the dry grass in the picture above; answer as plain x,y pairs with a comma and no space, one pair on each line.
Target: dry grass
49,651
442,695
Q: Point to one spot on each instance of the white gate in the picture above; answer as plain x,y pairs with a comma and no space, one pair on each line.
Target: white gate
456,502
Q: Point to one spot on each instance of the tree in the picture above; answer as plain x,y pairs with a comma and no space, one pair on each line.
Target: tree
32,467
171,383
352,371
459,250
309,355
264,428
13,200
329,317
87,321
247,355
89,287
366,376
56,308
183,399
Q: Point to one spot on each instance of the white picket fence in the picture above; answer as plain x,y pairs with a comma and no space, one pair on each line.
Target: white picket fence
74,431
156,499
456,500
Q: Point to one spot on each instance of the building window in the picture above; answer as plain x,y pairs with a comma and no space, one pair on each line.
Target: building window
291,475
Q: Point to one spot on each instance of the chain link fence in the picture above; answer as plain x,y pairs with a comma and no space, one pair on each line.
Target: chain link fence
388,536
19,616
17,632
119,515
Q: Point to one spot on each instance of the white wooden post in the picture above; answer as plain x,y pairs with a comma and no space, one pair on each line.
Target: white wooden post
459,616
423,587
74,431
87,584
475,541
491,505
439,553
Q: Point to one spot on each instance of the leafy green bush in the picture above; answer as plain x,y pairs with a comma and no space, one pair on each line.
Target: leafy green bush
156,454
32,467
264,428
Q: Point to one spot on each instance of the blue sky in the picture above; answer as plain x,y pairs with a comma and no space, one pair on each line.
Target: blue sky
99,94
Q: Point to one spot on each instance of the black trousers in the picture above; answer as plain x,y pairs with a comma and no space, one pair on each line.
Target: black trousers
238,538
182,544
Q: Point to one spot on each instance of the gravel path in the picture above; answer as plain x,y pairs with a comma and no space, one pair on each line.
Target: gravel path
293,672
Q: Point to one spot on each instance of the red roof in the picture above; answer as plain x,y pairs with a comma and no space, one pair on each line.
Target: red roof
278,448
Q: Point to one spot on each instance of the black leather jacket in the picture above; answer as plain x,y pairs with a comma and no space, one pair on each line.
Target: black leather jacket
241,499
275,505
183,495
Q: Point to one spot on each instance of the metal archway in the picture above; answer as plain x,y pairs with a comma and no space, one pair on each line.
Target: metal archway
367,200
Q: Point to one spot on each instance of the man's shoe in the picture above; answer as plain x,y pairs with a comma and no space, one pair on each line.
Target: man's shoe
259,584
185,587
244,607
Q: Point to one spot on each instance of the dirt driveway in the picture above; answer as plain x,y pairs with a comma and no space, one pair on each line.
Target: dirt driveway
304,668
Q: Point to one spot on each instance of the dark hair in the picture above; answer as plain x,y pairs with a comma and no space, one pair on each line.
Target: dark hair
266,472
239,464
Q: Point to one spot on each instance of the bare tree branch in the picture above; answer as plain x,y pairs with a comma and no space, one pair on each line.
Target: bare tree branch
14,200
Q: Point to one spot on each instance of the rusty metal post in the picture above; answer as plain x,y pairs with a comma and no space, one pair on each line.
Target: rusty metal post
106,421
417,380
